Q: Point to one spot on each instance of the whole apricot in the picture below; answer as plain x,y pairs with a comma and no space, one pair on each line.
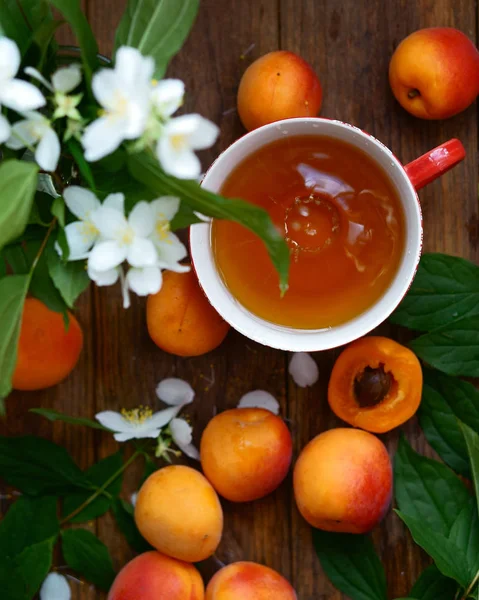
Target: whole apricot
343,481
445,79
178,512
154,576
180,319
246,453
249,581
279,85
47,351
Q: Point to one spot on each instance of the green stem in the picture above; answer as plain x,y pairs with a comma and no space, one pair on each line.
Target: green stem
42,247
471,586
101,489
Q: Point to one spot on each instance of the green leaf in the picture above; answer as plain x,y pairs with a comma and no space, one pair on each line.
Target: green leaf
123,513
446,399
73,13
86,555
472,442
13,290
98,474
58,210
85,170
445,288
453,349
42,285
28,521
465,535
352,564
449,558
40,213
22,575
145,170
432,585
70,279
53,415
36,12
13,25
158,28
18,180
37,466
427,490
184,217
150,468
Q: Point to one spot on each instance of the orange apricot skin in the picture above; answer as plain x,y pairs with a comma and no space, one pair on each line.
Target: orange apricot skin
343,481
180,319
404,396
446,74
249,581
47,352
179,513
246,453
279,85
155,576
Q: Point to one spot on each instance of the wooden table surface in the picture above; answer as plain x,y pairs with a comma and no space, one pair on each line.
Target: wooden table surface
349,44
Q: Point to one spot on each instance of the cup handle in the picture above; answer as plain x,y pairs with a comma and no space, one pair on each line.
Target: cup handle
434,163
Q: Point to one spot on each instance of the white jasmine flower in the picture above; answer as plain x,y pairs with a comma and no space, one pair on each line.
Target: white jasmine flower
170,250
167,96
36,129
303,369
123,238
179,139
104,278
142,422
55,587
143,282
64,80
259,399
124,94
16,94
181,432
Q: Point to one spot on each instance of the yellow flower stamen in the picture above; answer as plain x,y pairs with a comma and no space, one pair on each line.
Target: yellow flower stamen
137,416
162,228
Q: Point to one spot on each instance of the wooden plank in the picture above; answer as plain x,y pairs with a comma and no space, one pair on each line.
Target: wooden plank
349,45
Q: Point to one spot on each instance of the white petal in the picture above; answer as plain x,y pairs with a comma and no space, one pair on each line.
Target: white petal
132,67
115,201
66,79
80,201
165,208
21,135
21,96
38,76
103,278
106,255
184,164
199,132
259,399
125,290
114,421
144,281
181,432
47,153
133,498
167,96
137,435
55,587
80,239
141,219
170,252
124,437
111,223
303,369
4,129
9,59
141,253
163,417
175,391
101,138
105,87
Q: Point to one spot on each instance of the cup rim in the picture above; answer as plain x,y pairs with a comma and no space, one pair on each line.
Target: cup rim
288,338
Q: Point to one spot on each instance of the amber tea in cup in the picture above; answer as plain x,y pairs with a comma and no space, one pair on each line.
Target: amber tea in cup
341,217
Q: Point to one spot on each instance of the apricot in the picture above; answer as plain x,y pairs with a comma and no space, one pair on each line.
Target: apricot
180,319
154,576
249,581
376,384
246,453
47,351
178,512
279,85
444,81
343,481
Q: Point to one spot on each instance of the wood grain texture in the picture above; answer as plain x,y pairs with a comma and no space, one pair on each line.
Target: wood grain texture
349,44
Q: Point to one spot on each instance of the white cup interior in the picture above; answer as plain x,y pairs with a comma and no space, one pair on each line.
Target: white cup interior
279,336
